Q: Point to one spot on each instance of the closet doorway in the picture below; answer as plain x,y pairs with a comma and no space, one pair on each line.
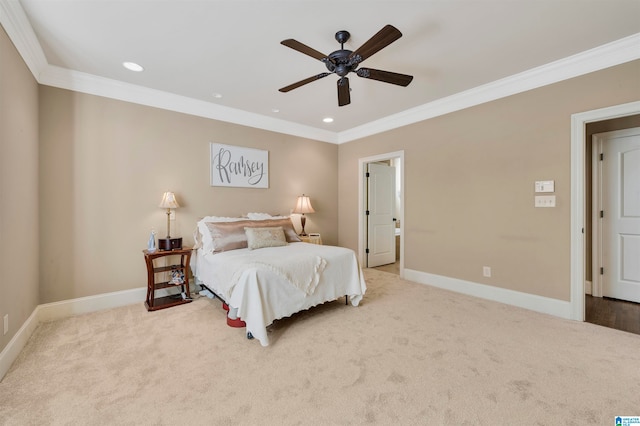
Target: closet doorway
381,212
612,275
583,126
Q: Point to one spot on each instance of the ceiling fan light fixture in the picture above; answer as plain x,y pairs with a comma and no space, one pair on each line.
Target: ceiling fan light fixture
343,61
132,66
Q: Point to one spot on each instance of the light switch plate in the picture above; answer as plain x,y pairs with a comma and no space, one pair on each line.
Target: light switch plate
545,201
545,186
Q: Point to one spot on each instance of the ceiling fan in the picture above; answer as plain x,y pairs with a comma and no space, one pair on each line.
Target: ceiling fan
342,62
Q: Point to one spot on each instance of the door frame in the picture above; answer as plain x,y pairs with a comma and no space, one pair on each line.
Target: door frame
375,219
578,188
598,230
596,220
362,203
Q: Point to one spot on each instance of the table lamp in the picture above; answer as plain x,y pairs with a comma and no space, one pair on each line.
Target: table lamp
169,202
303,205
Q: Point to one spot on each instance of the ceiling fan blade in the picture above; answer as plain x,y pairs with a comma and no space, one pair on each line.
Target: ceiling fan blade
303,82
385,76
344,95
303,48
380,40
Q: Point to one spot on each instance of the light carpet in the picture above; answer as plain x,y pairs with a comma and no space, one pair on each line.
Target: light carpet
409,354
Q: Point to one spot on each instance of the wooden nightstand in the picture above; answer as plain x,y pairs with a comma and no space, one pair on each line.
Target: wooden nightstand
181,269
312,238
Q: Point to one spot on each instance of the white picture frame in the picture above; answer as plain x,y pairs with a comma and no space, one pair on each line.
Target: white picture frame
237,166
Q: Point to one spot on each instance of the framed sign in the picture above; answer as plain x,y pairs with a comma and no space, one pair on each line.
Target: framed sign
238,166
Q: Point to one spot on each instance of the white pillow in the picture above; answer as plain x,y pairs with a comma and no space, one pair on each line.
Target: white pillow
265,237
263,216
205,235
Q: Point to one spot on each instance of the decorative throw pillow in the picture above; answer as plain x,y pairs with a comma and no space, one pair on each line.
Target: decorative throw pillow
265,237
206,241
287,226
227,236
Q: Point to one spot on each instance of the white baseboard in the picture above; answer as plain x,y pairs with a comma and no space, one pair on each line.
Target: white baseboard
588,287
546,305
84,305
17,343
63,309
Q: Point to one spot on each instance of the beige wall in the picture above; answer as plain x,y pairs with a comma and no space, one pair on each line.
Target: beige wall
18,190
82,177
105,165
469,179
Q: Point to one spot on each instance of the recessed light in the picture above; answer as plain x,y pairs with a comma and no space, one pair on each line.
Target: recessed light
217,95
132,66
328,120
276,110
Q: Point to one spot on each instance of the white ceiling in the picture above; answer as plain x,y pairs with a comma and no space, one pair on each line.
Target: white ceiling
460,52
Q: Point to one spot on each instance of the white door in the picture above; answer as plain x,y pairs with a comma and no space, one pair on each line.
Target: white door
621,214
381,233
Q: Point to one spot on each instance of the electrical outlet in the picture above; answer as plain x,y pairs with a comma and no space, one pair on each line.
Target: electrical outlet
6,323
486,271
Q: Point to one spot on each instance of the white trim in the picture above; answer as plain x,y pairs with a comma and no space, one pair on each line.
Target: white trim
362,231
18,28
578,146
596,220
114,89
17,343
598,230
588,287
545,305
64,309
84,305
16,24
605,56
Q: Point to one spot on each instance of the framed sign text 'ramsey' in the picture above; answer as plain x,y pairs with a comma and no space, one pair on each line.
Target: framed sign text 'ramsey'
239,166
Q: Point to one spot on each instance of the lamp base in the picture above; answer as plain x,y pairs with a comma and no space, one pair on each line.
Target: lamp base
303,221
169,243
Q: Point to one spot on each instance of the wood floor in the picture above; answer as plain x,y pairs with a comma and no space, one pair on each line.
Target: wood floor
613,313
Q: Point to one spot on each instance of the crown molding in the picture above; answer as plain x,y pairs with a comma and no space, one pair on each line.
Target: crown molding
605,56
91,84
16,24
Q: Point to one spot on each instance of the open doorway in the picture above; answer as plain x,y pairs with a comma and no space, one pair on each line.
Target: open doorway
584,125
613,288
615,206
381,220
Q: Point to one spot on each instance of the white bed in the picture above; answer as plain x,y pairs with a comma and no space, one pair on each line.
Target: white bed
266,284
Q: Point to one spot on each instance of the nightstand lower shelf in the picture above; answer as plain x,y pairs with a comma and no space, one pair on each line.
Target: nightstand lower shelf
166,302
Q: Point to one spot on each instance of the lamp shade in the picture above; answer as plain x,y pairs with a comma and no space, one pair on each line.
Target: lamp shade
303,205
169,201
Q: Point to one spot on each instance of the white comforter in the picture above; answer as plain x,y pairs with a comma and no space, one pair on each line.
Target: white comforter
271,283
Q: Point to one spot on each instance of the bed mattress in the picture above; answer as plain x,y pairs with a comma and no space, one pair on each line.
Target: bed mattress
267,284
